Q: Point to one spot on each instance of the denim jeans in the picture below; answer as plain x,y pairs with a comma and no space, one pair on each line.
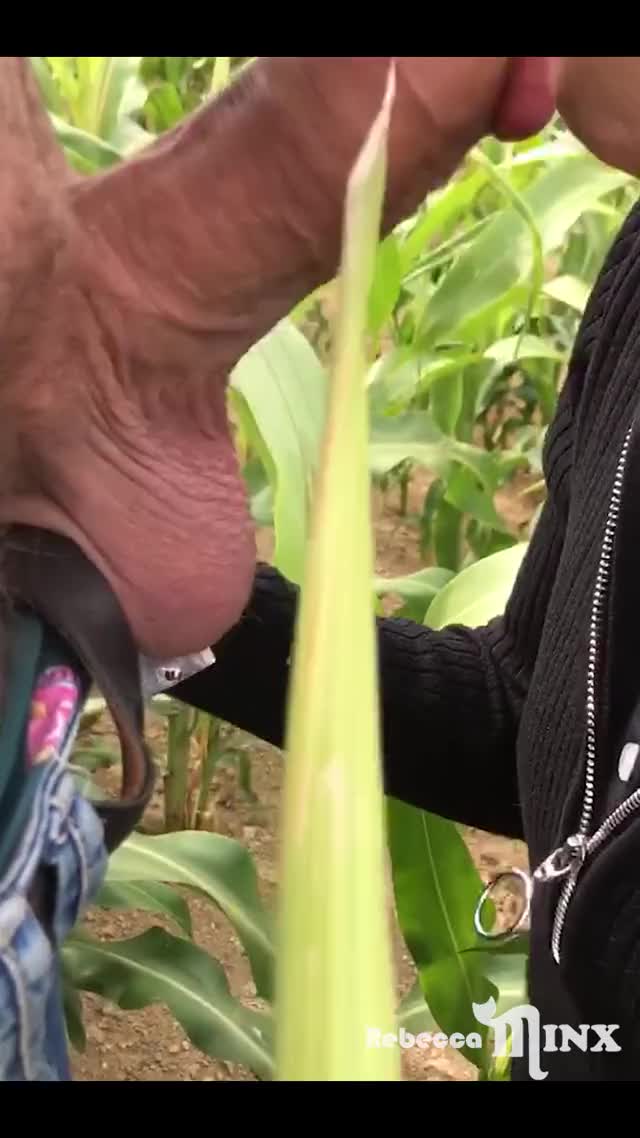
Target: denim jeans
63,840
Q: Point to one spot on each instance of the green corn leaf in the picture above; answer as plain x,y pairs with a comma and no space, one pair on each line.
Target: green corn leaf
221,73
444,365
387,281
157,968
164,108
49,89
72,1008
335,975
564,147
479,592
413,1013
522,209
444,251
436,889
443,209
525,347
278,392
501,259
85,151
399,372
149,897
215,866
568,290
176,68
506,969
435,881
63,69
110,93
416,589
445,401
441,528
415,436
466,495
447,528
95,758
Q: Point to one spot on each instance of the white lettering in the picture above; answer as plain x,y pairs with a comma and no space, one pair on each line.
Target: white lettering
553,1037
606,1042
579,1038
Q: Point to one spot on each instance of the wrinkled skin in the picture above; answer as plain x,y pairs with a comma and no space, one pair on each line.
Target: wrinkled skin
127,298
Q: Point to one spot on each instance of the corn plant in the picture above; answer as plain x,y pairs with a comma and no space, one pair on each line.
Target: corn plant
470,310
334,959
435,883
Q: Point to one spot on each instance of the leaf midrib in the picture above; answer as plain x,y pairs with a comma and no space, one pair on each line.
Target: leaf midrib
223,897
444,910
190,994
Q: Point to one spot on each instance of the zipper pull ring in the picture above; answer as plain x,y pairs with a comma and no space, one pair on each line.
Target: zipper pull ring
565,859
518,922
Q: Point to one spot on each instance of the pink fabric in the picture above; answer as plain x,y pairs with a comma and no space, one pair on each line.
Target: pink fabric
53,706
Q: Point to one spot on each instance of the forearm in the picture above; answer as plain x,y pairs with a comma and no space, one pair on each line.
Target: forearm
451,700
448,726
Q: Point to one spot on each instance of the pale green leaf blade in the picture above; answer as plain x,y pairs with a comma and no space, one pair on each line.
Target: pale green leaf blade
425,583
417,590
525,347
279,391
569,290
480,592
86,152
115,94
221,73
63,70
334,959
49,89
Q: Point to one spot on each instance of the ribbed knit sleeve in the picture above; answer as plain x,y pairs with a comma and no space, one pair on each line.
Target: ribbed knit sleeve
450,700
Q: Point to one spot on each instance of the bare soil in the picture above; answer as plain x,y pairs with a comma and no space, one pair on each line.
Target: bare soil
149,1045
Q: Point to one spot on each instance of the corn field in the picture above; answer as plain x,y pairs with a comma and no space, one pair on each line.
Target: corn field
448,343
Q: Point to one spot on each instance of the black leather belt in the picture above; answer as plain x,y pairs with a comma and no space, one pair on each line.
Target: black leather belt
50,576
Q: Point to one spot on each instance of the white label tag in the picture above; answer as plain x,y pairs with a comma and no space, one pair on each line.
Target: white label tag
160,675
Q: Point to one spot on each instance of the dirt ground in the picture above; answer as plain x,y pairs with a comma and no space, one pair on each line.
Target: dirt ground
149,1045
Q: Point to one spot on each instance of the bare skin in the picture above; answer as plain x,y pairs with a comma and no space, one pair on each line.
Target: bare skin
126,299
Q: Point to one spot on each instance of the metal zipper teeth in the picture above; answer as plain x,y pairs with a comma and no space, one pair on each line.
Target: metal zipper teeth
627,807
608,827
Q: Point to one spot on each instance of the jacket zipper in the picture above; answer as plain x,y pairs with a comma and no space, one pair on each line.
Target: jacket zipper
569,858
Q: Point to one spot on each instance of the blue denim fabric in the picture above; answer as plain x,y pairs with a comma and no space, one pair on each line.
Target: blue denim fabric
63,833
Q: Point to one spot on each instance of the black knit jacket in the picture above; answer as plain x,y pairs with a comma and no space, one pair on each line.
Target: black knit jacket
492,726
